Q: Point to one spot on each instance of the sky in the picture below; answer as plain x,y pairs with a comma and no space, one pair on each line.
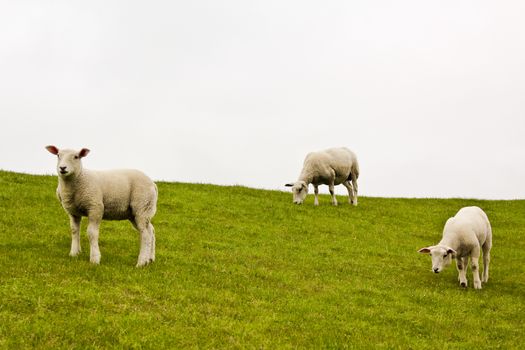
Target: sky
430,95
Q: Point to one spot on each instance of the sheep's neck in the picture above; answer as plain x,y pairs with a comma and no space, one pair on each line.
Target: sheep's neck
69,185
449,242
306,177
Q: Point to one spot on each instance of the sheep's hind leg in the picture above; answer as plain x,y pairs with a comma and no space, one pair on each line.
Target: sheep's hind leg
354,182
146,241
74,224
92,231
350,189
486,259
474,263
152,232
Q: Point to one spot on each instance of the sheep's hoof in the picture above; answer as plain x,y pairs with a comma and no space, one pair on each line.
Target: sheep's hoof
74,254
142,264
477,285
95,260
463,284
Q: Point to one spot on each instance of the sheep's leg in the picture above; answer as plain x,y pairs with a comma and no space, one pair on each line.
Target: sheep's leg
354,182
146,241
316,194
486,258
474,264
74,224
486,262
462,264
92,231
332,192
152,233
348,186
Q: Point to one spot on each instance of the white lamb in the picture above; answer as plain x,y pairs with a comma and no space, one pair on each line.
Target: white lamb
110,195
330,167
464,236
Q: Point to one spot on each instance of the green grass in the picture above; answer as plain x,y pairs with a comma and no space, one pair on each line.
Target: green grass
245,268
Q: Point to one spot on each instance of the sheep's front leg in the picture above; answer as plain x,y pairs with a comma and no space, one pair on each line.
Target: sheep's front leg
92,231
74,224
332,192
316,194
462,264
474,263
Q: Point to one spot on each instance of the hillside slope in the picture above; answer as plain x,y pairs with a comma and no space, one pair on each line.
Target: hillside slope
238,267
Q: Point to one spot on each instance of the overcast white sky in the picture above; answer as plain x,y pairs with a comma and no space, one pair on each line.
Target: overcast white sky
429,94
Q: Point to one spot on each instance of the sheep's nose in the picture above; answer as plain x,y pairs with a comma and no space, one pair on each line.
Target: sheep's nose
436,270
63,168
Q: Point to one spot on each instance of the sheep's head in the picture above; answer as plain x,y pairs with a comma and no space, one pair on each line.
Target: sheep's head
299,190
441,256
68,161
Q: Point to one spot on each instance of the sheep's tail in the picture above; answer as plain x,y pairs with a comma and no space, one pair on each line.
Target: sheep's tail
355,170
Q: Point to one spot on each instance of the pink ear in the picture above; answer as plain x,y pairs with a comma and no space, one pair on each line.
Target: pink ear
52,149
83,152
424,250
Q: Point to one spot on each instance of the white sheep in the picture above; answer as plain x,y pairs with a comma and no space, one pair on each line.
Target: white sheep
464,236
109,195
330,167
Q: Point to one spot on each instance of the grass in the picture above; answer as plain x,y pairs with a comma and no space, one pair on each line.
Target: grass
245,268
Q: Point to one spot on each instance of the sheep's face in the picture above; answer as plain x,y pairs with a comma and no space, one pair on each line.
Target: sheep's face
299,190
441,256
68,161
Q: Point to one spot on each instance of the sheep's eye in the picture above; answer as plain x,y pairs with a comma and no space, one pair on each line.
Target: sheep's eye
76,157
445,255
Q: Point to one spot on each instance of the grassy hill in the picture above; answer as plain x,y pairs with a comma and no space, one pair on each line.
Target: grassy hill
245,268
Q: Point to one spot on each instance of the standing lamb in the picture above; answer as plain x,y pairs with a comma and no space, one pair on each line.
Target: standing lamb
330,167
464,236
109,195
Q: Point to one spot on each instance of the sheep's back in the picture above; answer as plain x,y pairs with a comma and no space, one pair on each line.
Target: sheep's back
470,224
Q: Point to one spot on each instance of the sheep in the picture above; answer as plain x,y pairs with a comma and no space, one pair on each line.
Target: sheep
105,195
464,235
330,167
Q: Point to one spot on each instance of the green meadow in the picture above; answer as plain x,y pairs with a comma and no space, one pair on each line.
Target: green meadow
245,268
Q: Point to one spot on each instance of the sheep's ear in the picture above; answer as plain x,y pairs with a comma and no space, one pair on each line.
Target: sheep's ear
425,250
52,149
289,185
83,152
451,251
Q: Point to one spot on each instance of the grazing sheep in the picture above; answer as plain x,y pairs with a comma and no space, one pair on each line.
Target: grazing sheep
109,195
464,236
330,167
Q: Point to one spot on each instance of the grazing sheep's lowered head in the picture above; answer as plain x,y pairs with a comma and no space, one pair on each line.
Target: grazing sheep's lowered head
441,256
69,161
299,190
